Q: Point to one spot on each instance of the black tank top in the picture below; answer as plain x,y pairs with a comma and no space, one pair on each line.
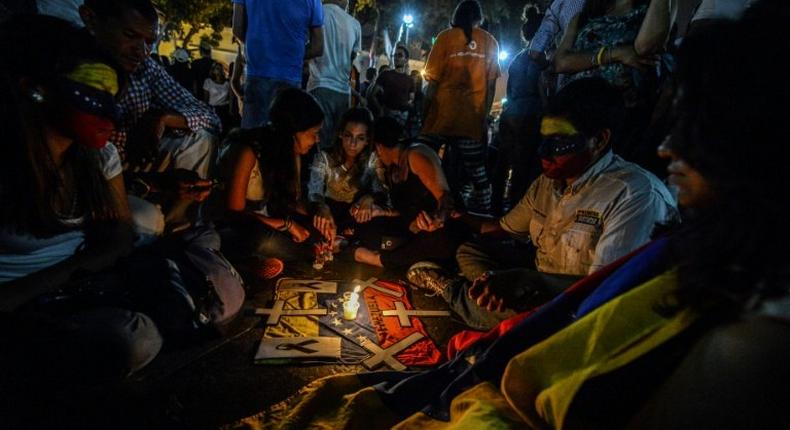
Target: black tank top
410,196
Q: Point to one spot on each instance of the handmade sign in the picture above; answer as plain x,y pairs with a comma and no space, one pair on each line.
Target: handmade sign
307,347
353,314
404,315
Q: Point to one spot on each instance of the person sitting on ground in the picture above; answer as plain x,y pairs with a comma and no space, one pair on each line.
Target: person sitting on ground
161,125
266,214
64,210
414,229
163,132
588,208
343,182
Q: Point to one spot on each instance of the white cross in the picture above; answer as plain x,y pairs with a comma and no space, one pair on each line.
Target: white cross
277,311
371,283
306,286
403,314
387,355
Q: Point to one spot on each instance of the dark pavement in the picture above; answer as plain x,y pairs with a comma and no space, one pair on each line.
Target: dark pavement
217,382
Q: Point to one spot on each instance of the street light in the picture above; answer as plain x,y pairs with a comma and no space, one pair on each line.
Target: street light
408,22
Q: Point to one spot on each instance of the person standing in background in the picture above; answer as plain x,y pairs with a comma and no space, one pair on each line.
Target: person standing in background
462,70
329,73
275,35
216,92
201,69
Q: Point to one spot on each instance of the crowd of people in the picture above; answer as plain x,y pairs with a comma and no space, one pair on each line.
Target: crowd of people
562,208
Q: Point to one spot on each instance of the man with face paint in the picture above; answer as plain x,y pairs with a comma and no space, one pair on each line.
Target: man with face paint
588,208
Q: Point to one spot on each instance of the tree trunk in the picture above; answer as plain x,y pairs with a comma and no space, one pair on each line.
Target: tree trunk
193,30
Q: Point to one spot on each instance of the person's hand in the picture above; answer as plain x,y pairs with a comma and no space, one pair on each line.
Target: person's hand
496,291
298,233
324,223
426,222
627,55
362,211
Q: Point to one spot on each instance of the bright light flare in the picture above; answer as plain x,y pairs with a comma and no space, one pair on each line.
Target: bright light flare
503,55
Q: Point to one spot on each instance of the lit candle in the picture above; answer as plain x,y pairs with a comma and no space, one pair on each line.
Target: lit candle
351,306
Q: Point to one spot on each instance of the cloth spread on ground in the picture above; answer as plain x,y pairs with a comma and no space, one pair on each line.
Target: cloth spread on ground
541,382
438,395
310,315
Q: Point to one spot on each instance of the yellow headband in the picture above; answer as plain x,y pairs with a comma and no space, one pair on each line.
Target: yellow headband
554,125
96,75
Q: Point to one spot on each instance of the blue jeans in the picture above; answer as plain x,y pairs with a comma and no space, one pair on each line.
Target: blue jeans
258,96
334,105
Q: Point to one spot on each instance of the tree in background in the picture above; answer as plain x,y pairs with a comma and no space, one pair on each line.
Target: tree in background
184,19
432,16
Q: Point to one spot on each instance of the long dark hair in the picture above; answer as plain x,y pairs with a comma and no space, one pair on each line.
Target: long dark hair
292,111
37,51
730,130
466,15
358,115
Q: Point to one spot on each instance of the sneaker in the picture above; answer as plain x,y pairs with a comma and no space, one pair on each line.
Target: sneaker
429,276
270,268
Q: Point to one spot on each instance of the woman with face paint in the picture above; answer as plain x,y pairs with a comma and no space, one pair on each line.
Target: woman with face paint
343,181
64,209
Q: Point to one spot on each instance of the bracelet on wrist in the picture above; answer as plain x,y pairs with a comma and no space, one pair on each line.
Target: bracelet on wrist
599,56
286,224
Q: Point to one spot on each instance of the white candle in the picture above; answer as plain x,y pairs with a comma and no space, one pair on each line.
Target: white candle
351,306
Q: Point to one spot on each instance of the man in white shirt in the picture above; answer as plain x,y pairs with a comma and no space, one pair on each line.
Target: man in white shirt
588,208
330,73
